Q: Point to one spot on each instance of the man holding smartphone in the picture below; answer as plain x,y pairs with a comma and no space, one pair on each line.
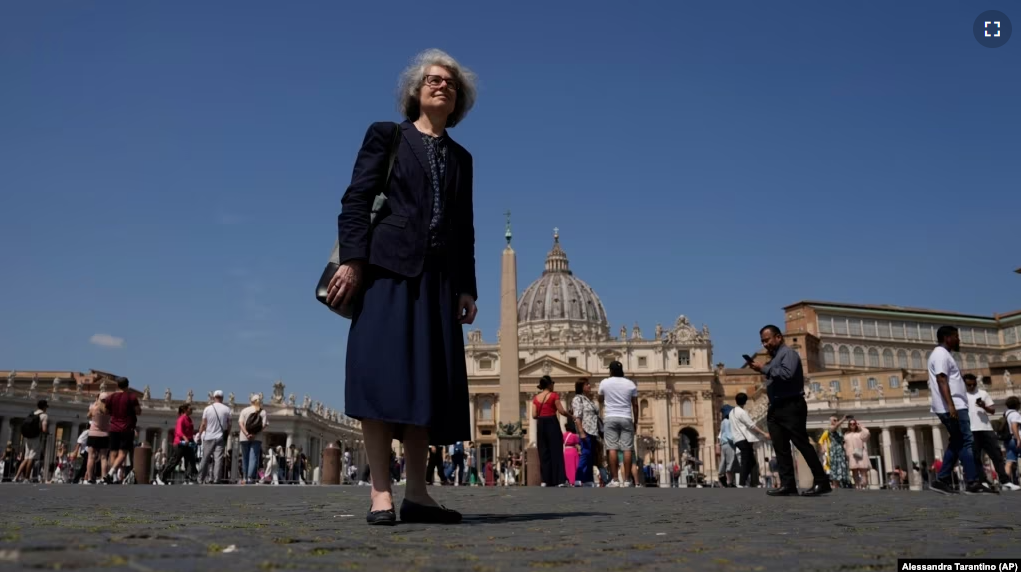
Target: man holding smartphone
980,407
787,416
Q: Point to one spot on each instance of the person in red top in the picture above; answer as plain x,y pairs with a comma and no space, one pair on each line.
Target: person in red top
550,440
183,440
124,409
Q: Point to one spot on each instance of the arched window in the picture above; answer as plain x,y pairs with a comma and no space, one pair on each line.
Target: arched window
902,359
972,364
486,409
916,360
983,359
859,357
687,408
828,358
887,358
873,357
835,385
845,356
643,407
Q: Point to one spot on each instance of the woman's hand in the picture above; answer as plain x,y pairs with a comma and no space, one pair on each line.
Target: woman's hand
466,309
344,284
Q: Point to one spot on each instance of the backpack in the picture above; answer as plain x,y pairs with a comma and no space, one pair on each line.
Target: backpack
459,448
1002,428
32,427
254,423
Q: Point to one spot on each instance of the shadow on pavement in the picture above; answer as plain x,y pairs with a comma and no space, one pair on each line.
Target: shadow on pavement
502,518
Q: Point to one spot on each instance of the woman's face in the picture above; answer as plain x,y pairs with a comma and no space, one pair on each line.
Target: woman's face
587,389
439,90
853,425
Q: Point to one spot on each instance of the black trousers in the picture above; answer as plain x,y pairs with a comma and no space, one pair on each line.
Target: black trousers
80,473
787,419
180,452
435,464
988,441
550,441
747,460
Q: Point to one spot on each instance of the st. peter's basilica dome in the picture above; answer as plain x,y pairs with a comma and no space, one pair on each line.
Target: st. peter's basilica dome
561,305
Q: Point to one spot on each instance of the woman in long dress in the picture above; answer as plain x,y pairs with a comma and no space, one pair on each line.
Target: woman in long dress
839,474
549,439
856,443
407,271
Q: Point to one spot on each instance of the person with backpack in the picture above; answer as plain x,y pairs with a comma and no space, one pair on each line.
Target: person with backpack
34,431
457,459
253,422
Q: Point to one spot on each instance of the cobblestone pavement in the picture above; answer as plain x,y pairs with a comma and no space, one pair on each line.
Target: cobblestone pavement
66,527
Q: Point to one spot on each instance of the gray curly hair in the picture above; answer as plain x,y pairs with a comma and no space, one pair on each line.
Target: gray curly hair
410,84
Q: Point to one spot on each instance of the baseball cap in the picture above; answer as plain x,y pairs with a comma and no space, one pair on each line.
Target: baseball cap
218,393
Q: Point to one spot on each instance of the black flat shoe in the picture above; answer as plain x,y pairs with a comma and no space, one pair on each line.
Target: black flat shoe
818,490
783,492
382,517
414,512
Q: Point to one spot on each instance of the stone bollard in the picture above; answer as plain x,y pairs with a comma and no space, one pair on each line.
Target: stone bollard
142,464
533,476
331,465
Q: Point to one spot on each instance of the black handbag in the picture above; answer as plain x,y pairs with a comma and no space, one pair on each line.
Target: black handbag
378,203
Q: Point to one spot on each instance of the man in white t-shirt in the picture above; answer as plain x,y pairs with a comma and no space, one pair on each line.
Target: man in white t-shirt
980,407
620,398
949,401
745,434
214,430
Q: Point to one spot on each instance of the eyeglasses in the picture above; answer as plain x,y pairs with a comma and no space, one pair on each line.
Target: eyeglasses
438,80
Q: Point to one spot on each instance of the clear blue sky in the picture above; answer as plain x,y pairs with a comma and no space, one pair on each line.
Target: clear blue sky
170,173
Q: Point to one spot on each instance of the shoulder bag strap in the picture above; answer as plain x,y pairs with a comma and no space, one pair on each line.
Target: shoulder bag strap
380,200
218,422
539,409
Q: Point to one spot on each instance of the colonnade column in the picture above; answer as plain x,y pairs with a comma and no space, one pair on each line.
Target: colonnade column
937,441
887,456
5,431
471,414
533,428
72,445
913,477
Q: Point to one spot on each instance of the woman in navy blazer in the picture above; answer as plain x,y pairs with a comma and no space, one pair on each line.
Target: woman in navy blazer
411,275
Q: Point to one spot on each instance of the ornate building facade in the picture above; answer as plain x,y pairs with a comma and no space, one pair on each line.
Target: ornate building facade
870,361
559,327
306,424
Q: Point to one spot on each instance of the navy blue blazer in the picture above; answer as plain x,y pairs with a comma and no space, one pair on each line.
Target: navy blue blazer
398,240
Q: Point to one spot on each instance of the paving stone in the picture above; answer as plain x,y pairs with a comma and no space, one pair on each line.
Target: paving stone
323,528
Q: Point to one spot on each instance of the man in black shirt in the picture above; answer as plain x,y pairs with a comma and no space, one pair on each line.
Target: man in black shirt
787,416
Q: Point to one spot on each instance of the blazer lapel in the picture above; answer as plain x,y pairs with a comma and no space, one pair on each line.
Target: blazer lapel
414,138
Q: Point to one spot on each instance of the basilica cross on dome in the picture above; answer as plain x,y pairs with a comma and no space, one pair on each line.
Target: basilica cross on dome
556,233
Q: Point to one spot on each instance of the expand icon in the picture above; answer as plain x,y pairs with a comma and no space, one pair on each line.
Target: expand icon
992,28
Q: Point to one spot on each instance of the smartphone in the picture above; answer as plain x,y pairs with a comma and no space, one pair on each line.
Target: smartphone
748,358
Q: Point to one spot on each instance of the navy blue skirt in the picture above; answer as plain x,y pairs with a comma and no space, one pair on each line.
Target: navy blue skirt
405,355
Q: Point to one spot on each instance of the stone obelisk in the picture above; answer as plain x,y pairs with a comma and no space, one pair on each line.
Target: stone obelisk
509,430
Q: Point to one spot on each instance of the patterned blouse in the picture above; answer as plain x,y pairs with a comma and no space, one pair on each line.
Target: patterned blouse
436,151
583,407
